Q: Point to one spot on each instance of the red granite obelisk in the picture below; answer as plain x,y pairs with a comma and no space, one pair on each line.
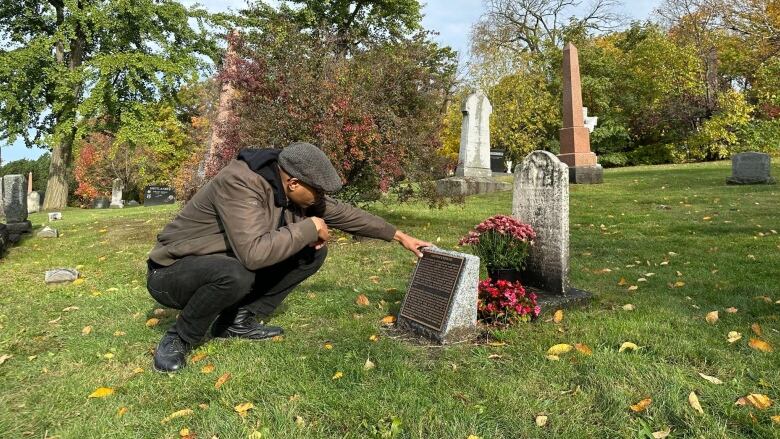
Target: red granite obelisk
575,138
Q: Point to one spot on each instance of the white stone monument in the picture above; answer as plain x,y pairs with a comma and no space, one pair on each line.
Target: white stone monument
589,121
474,156
116,194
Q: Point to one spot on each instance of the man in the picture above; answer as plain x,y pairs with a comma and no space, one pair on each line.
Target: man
245,240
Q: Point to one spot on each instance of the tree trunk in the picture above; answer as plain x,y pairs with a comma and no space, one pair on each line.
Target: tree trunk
57,186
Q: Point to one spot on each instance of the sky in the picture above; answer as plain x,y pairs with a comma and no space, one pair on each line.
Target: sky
452,19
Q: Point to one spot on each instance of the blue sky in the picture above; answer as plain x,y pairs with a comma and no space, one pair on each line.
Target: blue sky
452,19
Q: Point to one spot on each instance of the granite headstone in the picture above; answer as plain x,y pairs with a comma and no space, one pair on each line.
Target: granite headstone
441,302
156,195
14,198
33,202
116,194
751,168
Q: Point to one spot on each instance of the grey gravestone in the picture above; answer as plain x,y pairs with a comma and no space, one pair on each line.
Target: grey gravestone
48,232
54,216
116,194
441,303
474,155
33,202
132,203
14,198
100,203
541,199
751,168
60,275
156,195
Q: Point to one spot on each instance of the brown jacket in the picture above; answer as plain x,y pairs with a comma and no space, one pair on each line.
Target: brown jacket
235,213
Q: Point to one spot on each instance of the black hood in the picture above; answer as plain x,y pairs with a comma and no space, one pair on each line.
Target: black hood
264,163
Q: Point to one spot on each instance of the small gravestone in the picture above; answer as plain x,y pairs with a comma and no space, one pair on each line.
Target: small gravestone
60,275
751,168
55,216
541,199
15,207
100,203
132,203
156,195
441,303
116,194
33,202
48,232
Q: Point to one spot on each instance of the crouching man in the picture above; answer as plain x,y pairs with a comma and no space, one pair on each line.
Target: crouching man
245,240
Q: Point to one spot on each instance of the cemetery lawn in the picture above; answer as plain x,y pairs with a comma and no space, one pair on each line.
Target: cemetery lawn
688,243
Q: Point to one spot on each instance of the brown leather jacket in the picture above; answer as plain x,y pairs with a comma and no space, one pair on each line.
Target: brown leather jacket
236,213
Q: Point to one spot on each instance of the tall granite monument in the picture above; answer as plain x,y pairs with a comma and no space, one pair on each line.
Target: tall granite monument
473,174
575,136
541,199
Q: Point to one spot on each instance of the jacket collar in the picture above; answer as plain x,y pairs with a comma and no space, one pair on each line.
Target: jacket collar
264,162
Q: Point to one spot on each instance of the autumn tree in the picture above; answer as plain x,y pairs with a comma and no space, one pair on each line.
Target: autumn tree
63,63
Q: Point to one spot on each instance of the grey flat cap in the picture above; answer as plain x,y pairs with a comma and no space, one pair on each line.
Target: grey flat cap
310,165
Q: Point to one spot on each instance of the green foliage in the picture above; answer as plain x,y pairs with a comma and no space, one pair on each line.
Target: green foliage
718,134
759,135
39,167
654,154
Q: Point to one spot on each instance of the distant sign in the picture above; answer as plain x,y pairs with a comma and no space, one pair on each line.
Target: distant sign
156,195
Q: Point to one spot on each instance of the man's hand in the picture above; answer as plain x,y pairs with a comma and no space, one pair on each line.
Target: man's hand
322,233
411,243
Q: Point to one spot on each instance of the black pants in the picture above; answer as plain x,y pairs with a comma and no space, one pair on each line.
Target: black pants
205,287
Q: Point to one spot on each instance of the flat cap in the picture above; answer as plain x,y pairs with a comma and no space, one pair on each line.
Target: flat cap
310,165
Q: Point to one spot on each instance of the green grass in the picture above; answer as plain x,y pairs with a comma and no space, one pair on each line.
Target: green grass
435,392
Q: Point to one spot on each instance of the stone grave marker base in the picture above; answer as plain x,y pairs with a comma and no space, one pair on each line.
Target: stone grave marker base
463,186
586,174
551,301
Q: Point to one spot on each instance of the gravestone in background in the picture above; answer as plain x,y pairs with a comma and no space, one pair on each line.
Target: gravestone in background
101,203
541,199
156,195
15,207
116,194
441,302
751,168
33,202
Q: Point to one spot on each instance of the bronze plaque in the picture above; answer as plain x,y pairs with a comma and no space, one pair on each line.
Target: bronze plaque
431,289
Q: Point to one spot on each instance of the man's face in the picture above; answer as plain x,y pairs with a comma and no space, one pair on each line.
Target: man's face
300,193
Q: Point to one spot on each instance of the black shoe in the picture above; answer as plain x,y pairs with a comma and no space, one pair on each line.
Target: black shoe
244,325
171,353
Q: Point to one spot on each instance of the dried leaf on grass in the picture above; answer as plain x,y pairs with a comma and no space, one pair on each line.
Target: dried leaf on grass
760,345
152,322
711,317
757,400
362,300
337,376
197,357
583,348
242,408
628,346
733,336
558,316
711,379
731,310
86,330
541,420
222,380
757,329
693,400
368,364
176,414
661,434
207,368
629,307
102,392
641,405
560,349
388,320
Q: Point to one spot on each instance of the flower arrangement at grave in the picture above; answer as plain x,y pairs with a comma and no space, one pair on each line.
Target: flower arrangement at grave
503,302
501,242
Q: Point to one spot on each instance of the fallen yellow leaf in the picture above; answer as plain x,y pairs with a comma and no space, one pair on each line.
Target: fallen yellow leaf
119,333
368,365
711,379
86,330
138,370
243,408
628,346
662,434
337,375
541,420
583,348
362,300
756,329
78,281
733,336
558,316
641,405
222,380
121,412
711,317
277,338
176,414
102,392
197,357
552,357
388,320
328,346
622,281
760,345
633,288
679,284
207,368
497,343
731,310
757,400
184,432
152,322
693,400
629,307
373,337
559,349
775,419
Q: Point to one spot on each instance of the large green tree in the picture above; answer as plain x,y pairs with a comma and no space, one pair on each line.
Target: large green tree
64,62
